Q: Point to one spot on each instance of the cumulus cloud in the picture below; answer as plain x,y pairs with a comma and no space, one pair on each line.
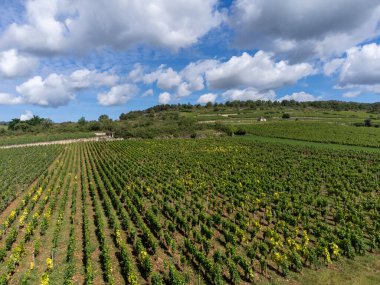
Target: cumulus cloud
84,78
182,83
26,116
13,64
300,97
205,98
259,71
359,70
166,78
361,67
194,73
183,90
137,73
351,94
49,92
164,98
54,26
118,95
248,94
8,99
243,77
42,32
57,89
304,29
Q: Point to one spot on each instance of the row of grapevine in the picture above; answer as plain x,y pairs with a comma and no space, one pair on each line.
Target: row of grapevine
280,247
190,211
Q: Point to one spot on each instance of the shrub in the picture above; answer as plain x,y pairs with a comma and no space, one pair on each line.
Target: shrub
240,132
225,129
368,122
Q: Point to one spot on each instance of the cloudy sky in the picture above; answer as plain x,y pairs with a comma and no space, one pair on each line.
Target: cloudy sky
67,58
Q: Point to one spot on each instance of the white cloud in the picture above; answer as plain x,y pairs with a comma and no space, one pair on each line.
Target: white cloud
300,97
259,71
248,94
57,89
8,99
50,92
194,73
137,73
332,66
205,98
359,70
42,32
148,93
84,78
304,29
13,64
361,67
166,78
182,83
253,74
183,90
55,26
118,95
26,116
164,98
351,94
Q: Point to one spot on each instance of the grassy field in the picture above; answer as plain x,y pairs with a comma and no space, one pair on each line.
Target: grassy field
203,211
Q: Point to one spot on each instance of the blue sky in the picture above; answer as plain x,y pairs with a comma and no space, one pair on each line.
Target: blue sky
64,59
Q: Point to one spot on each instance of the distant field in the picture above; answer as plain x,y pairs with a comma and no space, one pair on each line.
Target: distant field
316,131
276,114
31,138
310,144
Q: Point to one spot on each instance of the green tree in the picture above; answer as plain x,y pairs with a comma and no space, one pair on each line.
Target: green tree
82,121
106,123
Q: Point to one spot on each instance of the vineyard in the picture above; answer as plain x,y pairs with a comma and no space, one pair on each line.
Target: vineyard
19,167
221,211
317,131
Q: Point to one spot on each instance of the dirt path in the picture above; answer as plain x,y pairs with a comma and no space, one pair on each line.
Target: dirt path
61,142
